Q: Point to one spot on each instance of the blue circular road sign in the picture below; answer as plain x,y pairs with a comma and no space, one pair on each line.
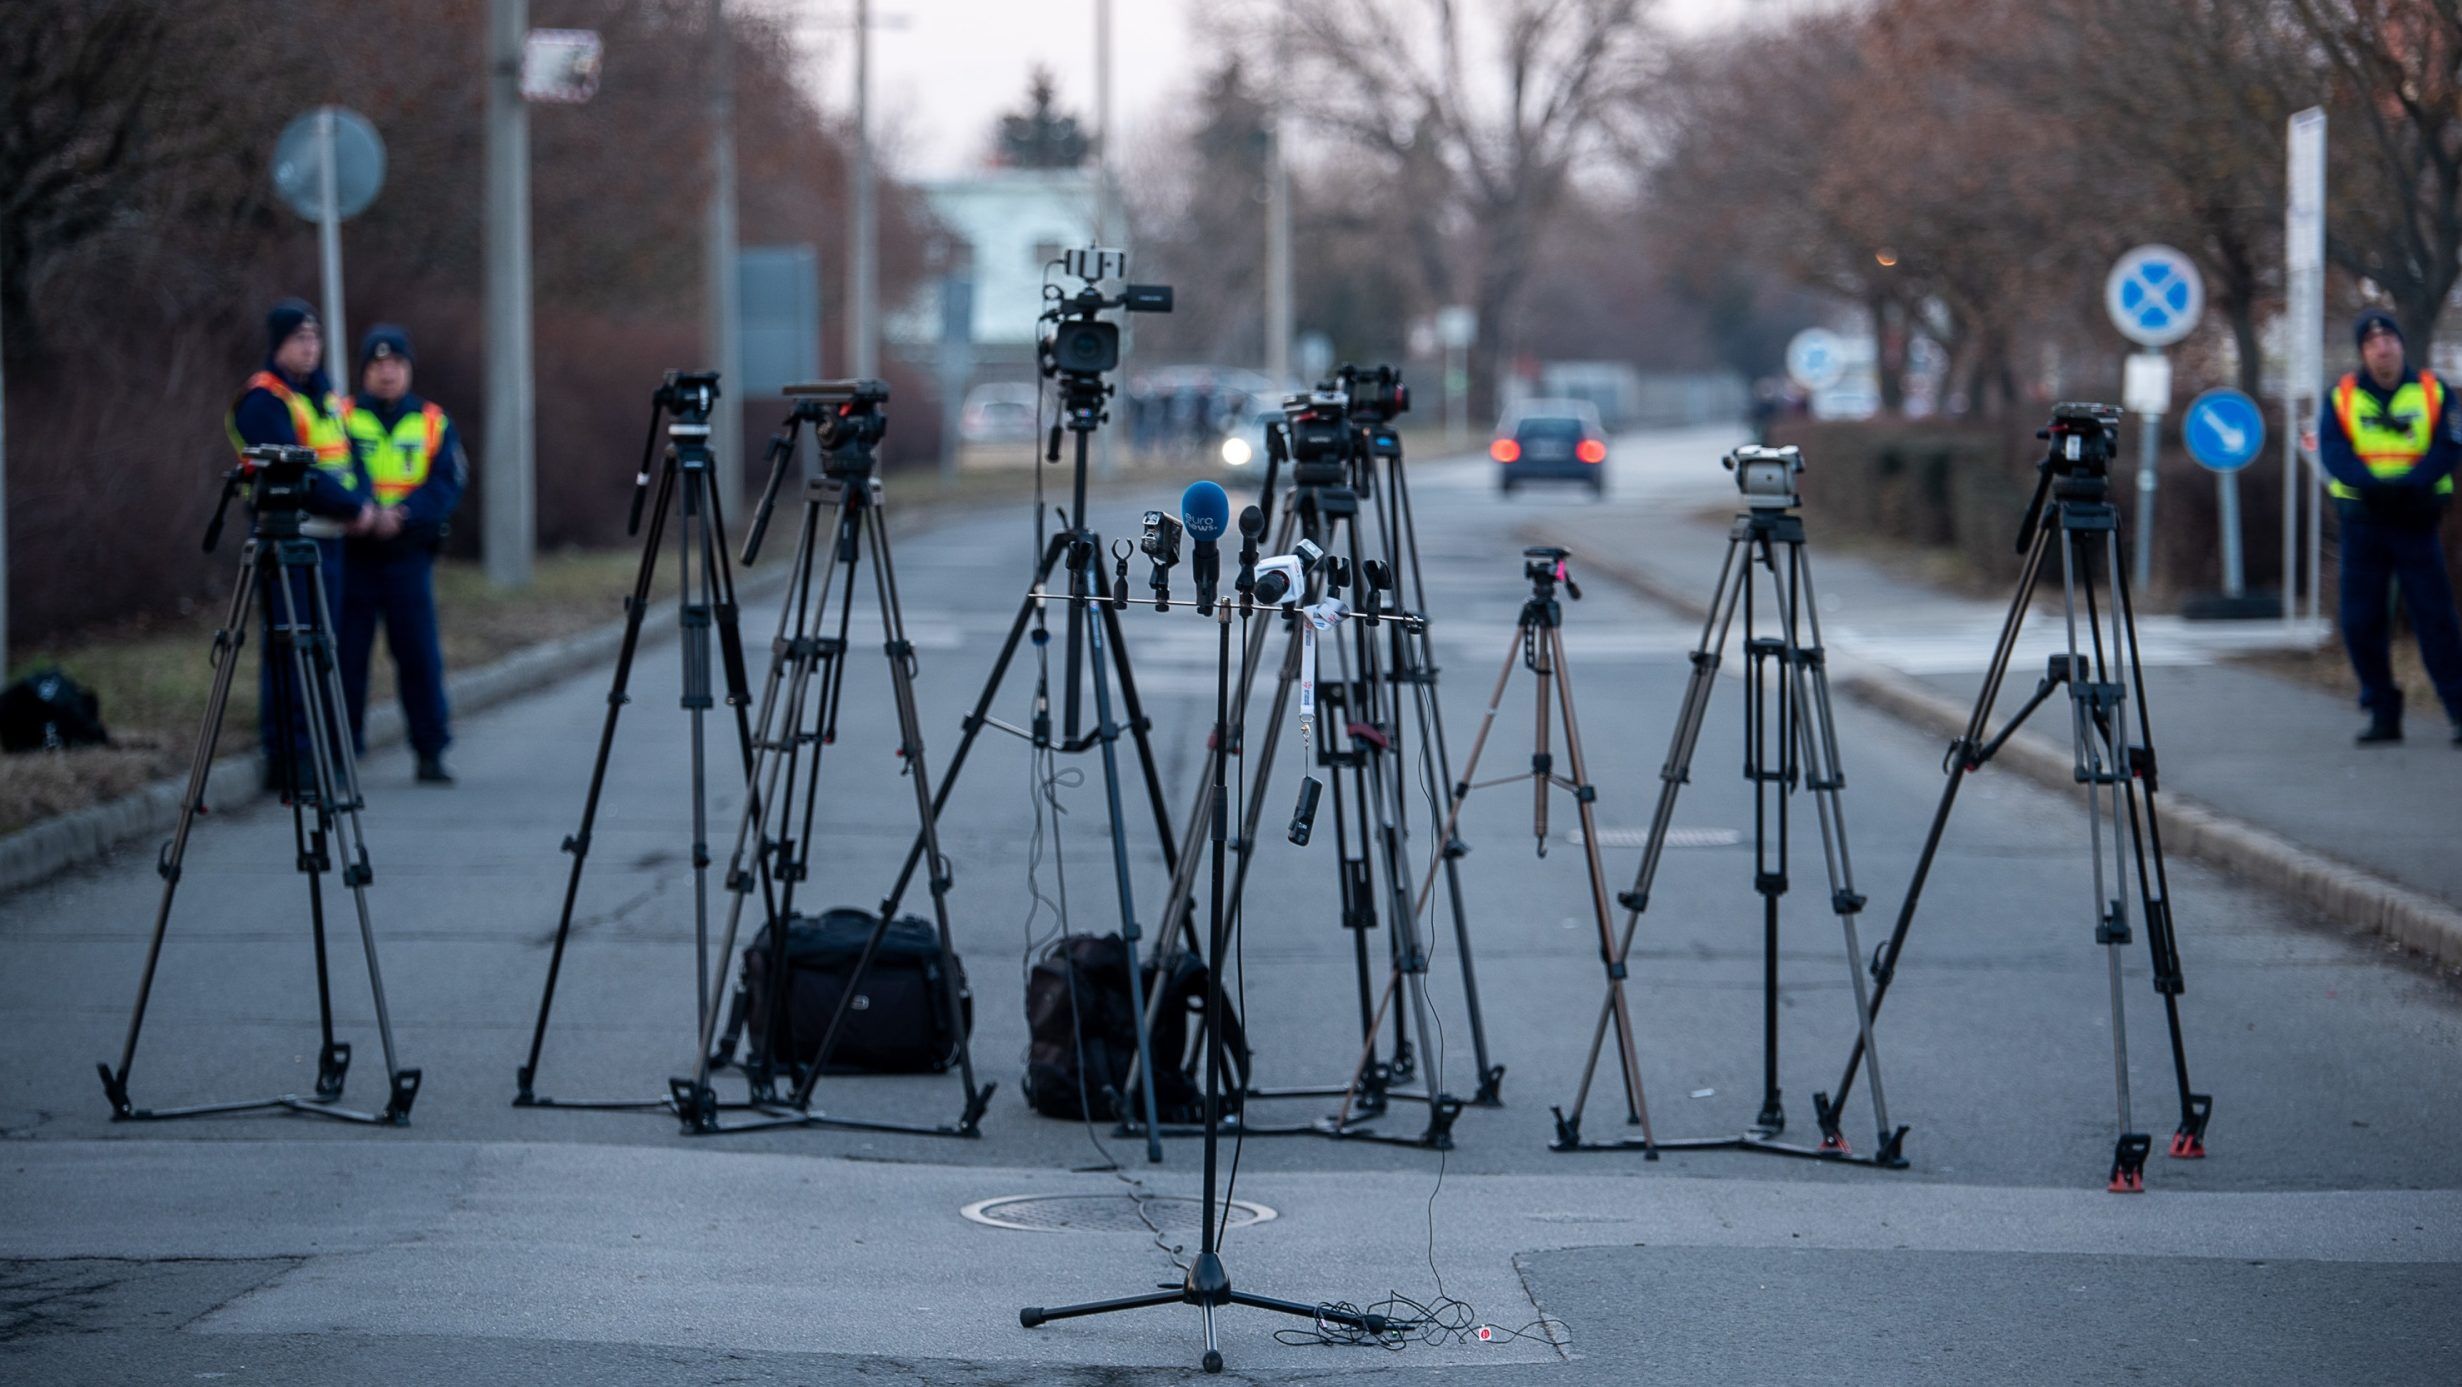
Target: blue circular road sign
2154,296
2224,429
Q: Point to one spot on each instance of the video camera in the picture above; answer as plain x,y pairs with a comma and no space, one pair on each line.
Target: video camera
276,475
1766,476
1079,344
1377,393
2084,437
1314,436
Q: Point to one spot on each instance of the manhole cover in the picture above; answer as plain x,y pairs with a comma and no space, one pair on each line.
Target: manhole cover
1106,1213
1676,837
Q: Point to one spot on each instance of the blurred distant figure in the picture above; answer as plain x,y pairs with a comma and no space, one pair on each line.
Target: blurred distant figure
2390,438
290,401
413,458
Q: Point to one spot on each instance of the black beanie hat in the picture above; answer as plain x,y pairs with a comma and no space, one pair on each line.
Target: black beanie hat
285,320
2370,319
384,340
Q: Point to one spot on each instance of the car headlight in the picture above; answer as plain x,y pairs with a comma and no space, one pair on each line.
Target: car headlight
1236,452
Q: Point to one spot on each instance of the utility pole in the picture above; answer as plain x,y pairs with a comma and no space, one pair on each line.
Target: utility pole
4,522
1278,210
508,474
724,292
1105,221
862,291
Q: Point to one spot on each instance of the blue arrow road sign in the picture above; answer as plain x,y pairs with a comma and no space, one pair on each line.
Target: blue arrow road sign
2224,430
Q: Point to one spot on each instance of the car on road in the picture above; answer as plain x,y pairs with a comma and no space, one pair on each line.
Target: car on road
1551,441
998,412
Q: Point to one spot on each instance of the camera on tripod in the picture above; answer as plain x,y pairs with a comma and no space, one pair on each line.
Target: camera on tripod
1314,436
846,419
1080,344
688,395
2084,437
1377,393
1766,476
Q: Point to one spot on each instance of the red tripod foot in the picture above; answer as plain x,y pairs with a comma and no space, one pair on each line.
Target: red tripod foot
2189,1143
2129,1163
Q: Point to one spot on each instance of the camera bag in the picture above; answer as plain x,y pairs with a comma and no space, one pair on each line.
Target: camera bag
1081,1056
897,1021
48,711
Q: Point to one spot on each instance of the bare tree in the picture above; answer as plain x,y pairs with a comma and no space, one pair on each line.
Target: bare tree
1478,130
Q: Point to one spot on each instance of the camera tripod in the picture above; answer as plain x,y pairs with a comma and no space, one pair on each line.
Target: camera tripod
1793,742
1372,765
686,481
1537,644
2100,671
282,568
1207,1284
1095,652
800,702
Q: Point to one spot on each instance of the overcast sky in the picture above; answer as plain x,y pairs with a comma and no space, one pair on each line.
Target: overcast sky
943,71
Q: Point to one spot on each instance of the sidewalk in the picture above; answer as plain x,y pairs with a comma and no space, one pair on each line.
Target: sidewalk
2259,774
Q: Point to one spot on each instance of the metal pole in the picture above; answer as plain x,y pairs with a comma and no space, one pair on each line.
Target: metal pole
863,355
2149,450
329,252
2235,576
508,473
1457,397
1278,217
1105,220
4,528
725,291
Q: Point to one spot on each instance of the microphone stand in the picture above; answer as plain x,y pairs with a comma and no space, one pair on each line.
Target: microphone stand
1208,1284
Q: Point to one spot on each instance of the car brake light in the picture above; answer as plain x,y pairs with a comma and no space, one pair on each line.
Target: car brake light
1591,450
1504,450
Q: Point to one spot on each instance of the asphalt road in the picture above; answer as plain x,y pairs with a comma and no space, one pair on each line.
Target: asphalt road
2322,1238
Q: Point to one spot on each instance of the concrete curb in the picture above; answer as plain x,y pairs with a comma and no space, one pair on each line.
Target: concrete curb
38,852
2335,890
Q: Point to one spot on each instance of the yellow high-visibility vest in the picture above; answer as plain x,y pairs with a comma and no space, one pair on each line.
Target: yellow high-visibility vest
397,461
325,430
2392,438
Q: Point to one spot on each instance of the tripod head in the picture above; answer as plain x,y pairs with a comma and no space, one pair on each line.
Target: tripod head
2084,439
1544,565
691,396
847,424
277,474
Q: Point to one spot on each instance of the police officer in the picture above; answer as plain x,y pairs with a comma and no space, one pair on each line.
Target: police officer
290,401
2391,438
413,458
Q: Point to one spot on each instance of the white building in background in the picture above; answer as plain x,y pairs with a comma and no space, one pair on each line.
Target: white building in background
1013,222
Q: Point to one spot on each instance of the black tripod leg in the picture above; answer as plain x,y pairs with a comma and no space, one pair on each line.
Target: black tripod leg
980,716
636,608
1139,730
1107,733
2188,1140
228,643
901,655
1965,757
1600,905
286,646
337,780
1816,730
2100,733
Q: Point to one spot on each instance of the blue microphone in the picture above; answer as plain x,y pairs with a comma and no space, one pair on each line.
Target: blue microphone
1205,512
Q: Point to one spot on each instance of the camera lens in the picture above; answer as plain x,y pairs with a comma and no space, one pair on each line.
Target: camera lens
1086,347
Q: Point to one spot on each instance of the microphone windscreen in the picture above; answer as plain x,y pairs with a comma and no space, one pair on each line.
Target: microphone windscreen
1252,522
1205,510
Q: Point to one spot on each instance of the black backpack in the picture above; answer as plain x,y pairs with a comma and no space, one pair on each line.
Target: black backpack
1081,1056
897,1023
48,711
